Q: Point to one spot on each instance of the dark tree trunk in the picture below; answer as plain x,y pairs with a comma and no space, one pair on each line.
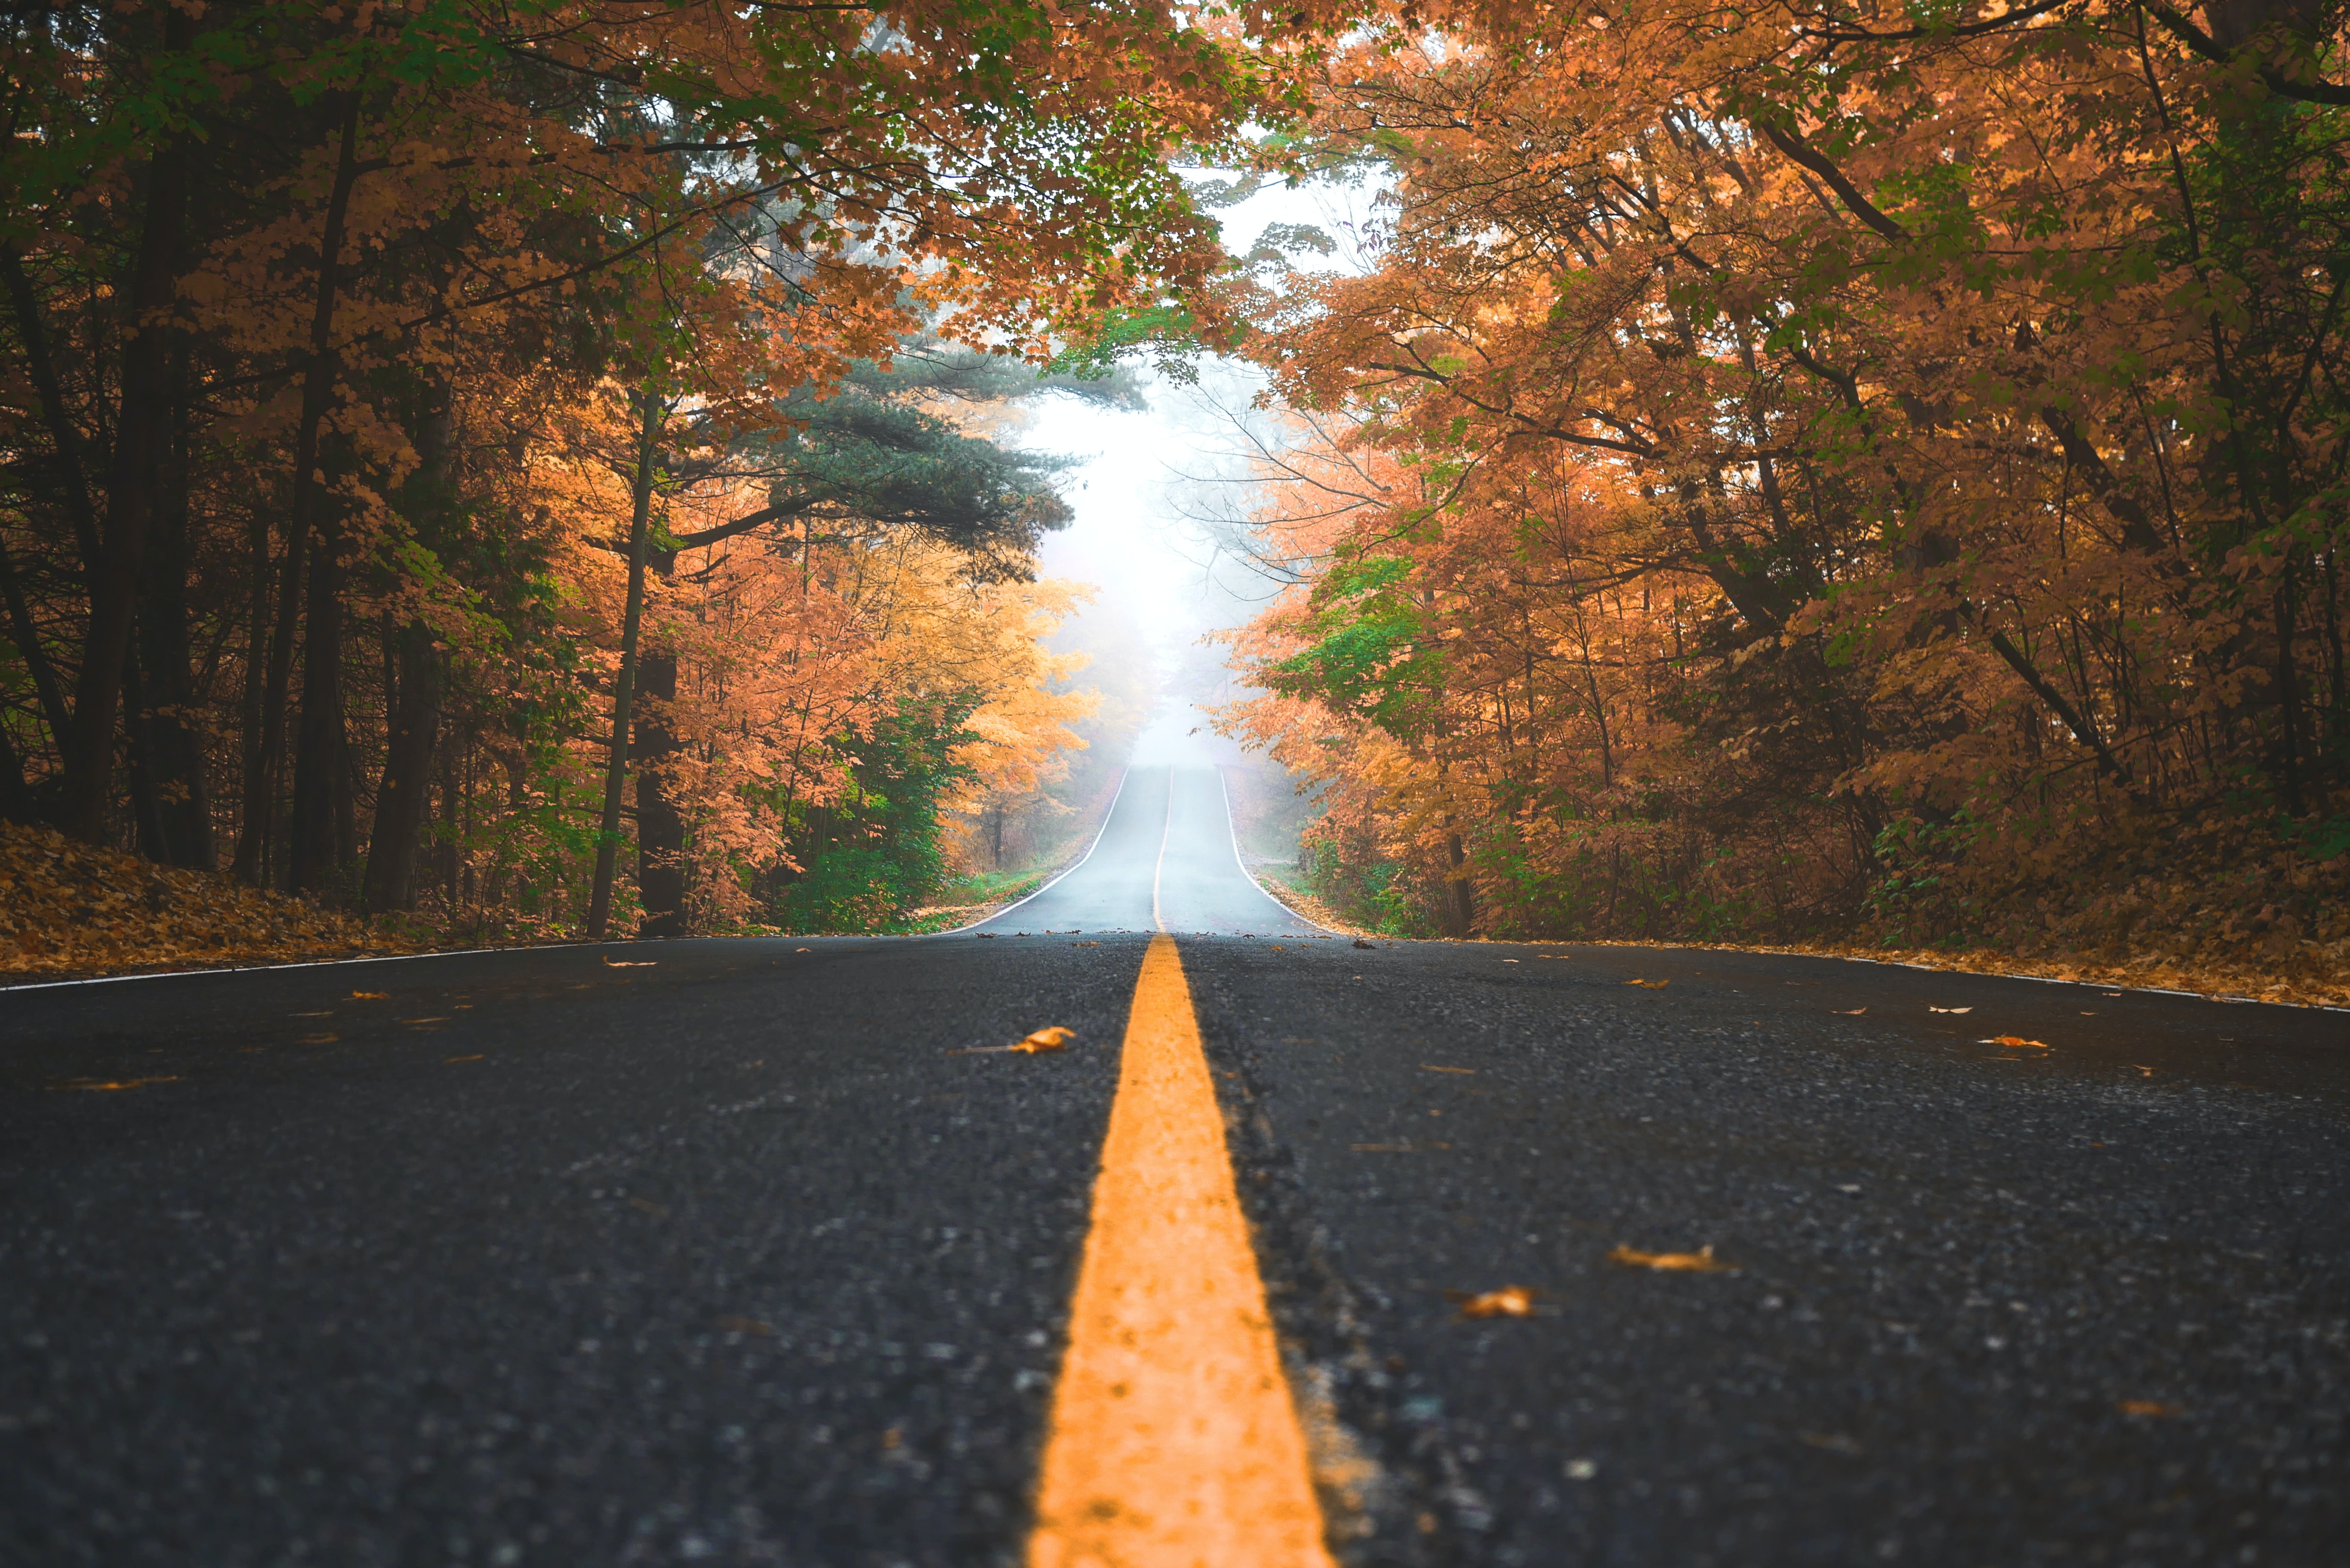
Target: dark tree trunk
402,799
651,412
172,750
140,431
321,753
661,831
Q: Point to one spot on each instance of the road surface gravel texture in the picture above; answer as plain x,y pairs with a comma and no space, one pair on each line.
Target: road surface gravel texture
761,1251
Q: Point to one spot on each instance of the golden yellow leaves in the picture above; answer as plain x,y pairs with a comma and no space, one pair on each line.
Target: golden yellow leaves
1649,984
370,996
2015,1042
1510,1301
1054,1038
1701,1261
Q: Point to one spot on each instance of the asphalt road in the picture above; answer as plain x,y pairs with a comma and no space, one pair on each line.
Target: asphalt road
751,1253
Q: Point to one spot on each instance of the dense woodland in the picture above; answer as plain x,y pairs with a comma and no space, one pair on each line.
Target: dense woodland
529,466
1778,470
1802,467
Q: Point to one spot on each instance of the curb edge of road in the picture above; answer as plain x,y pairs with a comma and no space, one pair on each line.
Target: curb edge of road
1124,773
1232,830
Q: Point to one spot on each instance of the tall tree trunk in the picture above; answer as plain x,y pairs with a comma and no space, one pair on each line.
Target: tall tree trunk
660,829
615,765
403,797
174,753
253,804
321,769
140,429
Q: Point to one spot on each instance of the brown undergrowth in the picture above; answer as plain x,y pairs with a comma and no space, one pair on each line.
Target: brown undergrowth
67,908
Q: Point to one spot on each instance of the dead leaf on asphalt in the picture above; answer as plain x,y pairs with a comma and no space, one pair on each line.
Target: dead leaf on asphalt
1098,944
370,996
1510,1301
1049,1038
1931,1008
750,1325
105,1083
1649,984
1361,943
2150,1407
1471,1072
1851,1013
630,963
319,1039
446,1060
1701,1261
2015,1042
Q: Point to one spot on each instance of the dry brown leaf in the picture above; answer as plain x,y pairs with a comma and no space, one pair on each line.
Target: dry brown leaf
1852,1012
1649,984
2015,1042
370,996
1931,1008
445,1060
634,963
1049,1038
442,1018
1471,1072
2150,1407
102,1083
1510,1301
320,1039
1085,944
1701,1261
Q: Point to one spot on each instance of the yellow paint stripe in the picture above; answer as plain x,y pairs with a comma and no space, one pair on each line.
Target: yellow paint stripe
1174,1441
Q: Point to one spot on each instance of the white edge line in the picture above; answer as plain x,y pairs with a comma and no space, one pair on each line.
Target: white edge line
1123,774
314,963
1233,830
1158,866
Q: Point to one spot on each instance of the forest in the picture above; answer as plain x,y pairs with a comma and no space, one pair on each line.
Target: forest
1770,473
1803,471
538,470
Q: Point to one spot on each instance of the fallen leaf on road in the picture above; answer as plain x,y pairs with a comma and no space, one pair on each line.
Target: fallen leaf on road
1426,1068
320,1039
1701,1261
1834,1442
1051,1039
1098,944
2147,1071
1649,984
2015,1042
2150,1407
1510,1301
1361,943
446,1060
103,1083
442,1018
750,1325
630,963
1850,1013
1931,1008
370,996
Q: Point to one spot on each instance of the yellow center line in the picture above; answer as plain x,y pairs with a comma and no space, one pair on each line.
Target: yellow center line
1174,1441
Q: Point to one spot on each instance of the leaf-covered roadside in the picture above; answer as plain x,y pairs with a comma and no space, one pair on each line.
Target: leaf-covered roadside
67,908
